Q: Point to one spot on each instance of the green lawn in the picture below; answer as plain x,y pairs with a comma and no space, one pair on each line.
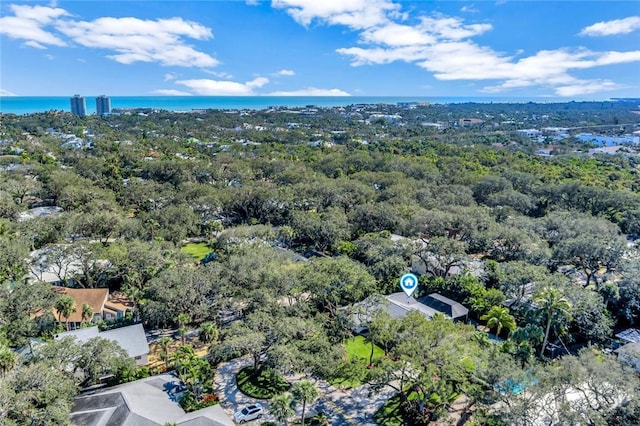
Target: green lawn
197,250
358,347
358,352
264,385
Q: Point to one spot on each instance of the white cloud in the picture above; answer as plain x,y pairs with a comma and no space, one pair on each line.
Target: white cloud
356,14
285,73
209,87
169,76
138,40
49,57
443,46
615,27
171,92
219,74
587,87
469,8
34,44
4,92
28,24
311,91
129,39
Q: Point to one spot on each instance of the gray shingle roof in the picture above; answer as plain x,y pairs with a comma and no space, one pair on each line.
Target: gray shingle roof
449,307
144,402
131,338
399,305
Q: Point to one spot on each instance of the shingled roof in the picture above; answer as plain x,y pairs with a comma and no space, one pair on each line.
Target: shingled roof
146,402
94,297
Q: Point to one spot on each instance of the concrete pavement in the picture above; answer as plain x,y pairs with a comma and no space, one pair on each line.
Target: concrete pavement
342,407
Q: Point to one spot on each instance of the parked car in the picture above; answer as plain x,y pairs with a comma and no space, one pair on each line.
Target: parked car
248,413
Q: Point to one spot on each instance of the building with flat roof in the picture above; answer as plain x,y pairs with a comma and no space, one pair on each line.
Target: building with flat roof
78,106
103,105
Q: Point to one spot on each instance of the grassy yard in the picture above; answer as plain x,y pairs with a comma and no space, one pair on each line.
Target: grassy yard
264,385
358,347
197,250
358,352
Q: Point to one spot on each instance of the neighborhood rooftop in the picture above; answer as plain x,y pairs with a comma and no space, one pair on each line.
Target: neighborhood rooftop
145,402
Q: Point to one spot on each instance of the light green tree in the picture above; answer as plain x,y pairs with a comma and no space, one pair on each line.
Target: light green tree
182,320
208,332
554,309
304,392
87,312
37,395
66,306
163,343
282,407
8,360
499,317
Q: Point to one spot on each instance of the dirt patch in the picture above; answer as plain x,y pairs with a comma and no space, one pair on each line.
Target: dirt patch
154,361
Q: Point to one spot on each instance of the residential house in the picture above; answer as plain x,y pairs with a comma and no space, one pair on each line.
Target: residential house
398,305
630,354
145,402
468,122
131,338
104,305
94,297
117,306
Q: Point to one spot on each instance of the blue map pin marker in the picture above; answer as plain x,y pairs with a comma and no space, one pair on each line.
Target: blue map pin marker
409,284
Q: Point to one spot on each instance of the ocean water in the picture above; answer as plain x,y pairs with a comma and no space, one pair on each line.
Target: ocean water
30,104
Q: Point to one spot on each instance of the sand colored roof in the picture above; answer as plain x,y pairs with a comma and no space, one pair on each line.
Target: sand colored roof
94,297
118,301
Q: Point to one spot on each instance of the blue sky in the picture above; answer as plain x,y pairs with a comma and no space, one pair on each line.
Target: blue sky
572,49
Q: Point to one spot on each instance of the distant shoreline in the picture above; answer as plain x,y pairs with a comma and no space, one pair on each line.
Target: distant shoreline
35,104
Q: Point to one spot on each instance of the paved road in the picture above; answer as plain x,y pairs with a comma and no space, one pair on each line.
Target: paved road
226,389
353,407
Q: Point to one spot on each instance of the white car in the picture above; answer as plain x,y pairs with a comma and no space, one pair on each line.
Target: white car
248,413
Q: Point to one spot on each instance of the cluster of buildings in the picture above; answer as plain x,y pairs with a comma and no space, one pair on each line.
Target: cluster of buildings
79,105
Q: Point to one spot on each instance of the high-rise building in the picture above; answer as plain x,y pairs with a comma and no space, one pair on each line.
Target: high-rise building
78,106
103,105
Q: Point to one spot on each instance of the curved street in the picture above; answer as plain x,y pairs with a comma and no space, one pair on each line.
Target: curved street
351,407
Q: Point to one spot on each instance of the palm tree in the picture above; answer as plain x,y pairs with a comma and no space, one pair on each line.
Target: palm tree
304,391
208,332
87,312
499,317
163,344
554,307
8,360
65,306
182,320
135,295
282,407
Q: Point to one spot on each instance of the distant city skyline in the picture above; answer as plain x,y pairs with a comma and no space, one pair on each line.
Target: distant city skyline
78,105
543,49
103,105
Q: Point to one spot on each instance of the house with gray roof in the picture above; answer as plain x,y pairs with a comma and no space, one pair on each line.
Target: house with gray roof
398,305
147,402
131,338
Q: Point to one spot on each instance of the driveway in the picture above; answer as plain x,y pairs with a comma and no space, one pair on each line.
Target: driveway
231,398
352,407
